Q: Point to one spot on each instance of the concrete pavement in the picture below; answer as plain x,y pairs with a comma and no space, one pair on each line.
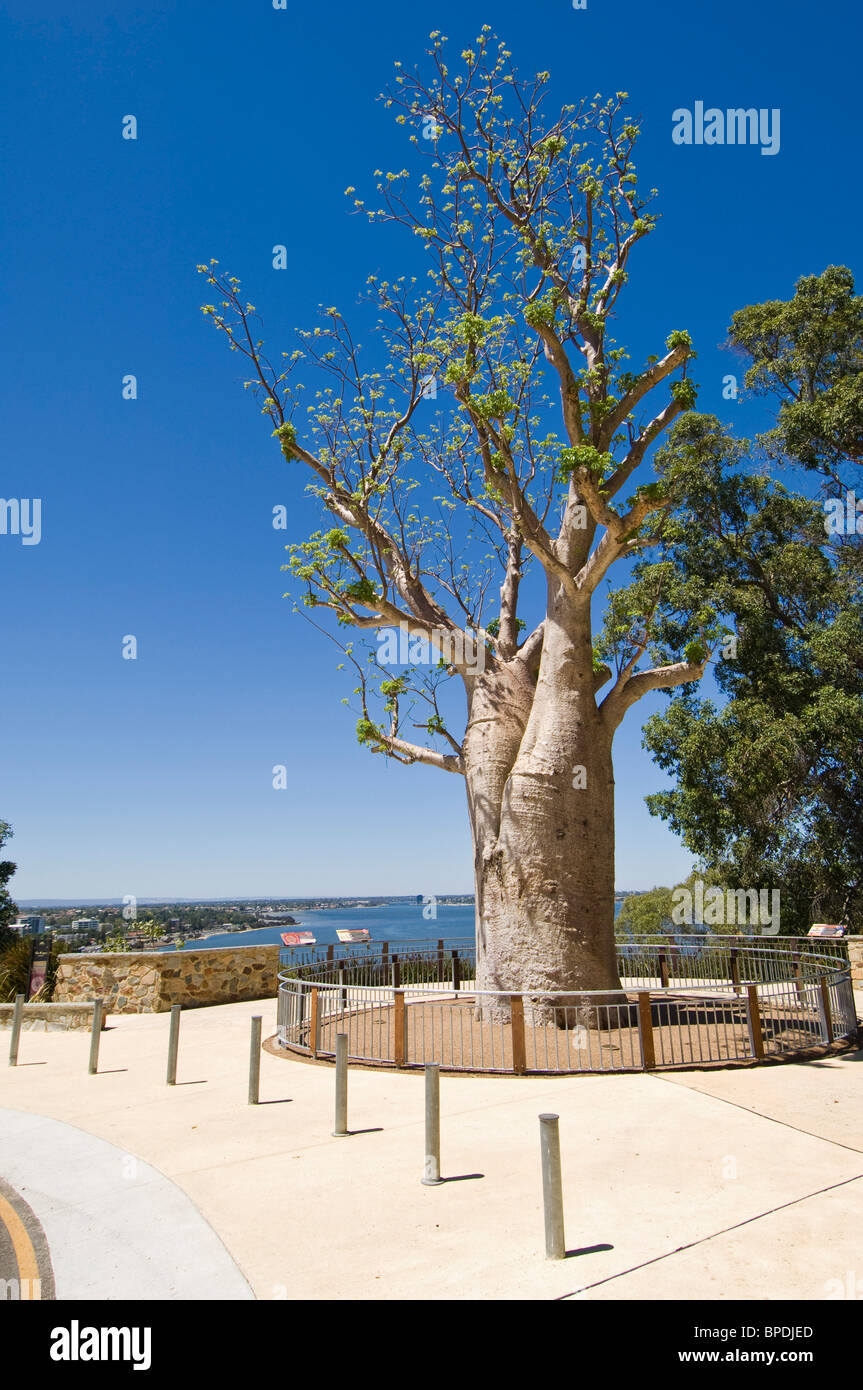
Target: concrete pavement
114,1226
736,1184
25,1263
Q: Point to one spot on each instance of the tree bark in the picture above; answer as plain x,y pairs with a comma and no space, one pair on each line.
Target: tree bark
540,787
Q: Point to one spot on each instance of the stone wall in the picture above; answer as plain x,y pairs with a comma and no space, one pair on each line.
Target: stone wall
149,982
50,1018
144,982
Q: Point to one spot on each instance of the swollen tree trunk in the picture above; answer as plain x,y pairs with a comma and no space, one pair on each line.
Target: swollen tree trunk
541,796
537,751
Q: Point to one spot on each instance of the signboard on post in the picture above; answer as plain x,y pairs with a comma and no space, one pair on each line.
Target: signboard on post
40,954
353,934
822,929
298,938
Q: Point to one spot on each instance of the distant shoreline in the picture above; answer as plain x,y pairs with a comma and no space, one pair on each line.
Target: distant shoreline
237,931
322,905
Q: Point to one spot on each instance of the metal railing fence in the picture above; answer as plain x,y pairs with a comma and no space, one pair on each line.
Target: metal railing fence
688,1002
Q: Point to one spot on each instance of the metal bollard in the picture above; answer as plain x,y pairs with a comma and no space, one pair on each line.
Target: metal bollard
431,1171
173,1044
255,1061
552,1190
17,1020
341,1128
95,1035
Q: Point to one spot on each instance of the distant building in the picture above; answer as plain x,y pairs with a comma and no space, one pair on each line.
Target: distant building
85,924
30,926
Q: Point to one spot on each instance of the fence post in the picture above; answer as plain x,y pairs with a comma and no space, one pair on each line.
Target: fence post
343,994
519,1053
300,1003
95,1034
255,1060
17,1020
440,961
173,1045
400,1042
755,1033
431,1169
385,954
456,972
315,1022
330,950
395,974
341,1125
645,1030
552,1189
798,971
735,970
663,970
826,1011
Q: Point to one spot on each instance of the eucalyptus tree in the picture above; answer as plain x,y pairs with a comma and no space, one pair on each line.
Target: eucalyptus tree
767,786
493,431
8,909
805,354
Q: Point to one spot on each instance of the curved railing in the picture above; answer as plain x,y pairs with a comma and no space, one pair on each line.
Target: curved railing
684,1002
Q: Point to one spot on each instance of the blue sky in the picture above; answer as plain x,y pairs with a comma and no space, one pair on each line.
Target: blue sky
155,776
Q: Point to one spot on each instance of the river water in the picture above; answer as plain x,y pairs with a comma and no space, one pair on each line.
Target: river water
391,922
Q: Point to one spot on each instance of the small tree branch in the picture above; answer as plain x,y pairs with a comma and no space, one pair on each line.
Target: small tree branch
627,467
658,372
404,752
627,689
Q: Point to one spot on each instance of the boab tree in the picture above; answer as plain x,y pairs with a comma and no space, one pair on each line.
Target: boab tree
527,226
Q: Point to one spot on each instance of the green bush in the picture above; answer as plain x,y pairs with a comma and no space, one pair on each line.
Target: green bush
15,969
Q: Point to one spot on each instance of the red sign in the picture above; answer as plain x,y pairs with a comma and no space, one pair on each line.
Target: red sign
821,929
298,938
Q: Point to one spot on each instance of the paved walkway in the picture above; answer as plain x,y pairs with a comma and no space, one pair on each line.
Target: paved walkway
113,1225
25,1263
707,1185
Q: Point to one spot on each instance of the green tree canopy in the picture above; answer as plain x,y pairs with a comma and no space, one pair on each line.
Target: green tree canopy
8,909
768,786
646,914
